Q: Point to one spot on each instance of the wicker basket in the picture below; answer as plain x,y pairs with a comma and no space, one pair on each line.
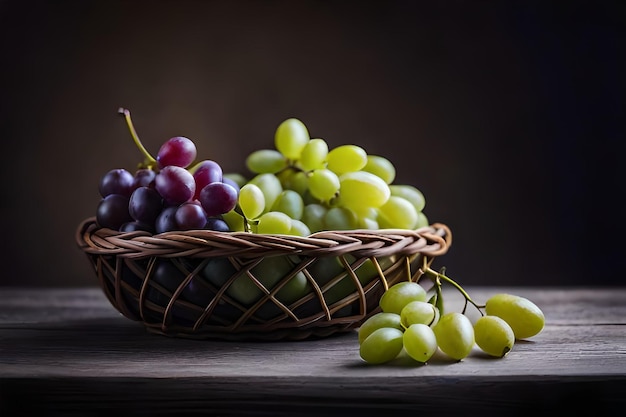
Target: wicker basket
243,286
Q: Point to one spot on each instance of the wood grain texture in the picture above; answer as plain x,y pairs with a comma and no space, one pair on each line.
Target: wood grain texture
68,352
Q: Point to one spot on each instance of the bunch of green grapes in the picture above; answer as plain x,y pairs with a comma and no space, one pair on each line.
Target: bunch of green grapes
412,322
301,186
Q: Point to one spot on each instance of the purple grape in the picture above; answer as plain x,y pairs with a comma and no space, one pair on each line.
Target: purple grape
190,216
144,177
112,211
218,198
207,172
136,226
175,184
217,224
145,205
166,220
232,183
166,275
177,151
116,181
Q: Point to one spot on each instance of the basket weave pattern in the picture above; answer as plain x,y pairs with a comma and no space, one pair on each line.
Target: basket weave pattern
204,284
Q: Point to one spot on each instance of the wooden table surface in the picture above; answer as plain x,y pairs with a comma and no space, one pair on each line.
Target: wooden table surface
68,352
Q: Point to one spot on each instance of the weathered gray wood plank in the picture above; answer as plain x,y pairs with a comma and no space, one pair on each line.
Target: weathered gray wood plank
70,350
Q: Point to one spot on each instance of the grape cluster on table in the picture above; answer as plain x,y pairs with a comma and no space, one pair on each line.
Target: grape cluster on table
411,323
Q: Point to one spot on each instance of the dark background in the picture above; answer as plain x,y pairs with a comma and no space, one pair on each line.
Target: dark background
509,116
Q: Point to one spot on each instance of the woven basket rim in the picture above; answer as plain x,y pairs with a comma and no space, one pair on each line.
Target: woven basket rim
432,240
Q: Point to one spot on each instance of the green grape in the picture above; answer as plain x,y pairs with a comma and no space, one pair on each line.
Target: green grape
493,335
323,184
378,321
290,203
368,271
340,290
297,287
292,179
398,213
409,193
366,217
524,317
420,312
271,187
346,158
422,220
381,167
234,220
455,335
381,346
325,268
420,342
269,272
266,161
274,222
291,137
251,201
308,198
313,155
313,216
399,295
298,228
218,270
362,189
339,218
367,223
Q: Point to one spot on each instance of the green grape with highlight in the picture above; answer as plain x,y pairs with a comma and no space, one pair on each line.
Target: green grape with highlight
299,228
525,317
419,312
313,155
494,336
422,220
323,184
399,295
382,345
397,213
266,161
455,335
378,321
346,158
270,186
362,189
381,167
274,222
290,203
367,218
420,342
251,201
291,137
410,193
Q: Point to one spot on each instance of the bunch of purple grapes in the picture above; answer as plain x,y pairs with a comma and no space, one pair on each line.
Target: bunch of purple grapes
172,195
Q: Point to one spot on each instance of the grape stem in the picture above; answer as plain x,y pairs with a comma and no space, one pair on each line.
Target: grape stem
149,161
437,277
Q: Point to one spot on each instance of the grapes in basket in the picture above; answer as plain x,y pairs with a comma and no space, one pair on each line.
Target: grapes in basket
298,187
